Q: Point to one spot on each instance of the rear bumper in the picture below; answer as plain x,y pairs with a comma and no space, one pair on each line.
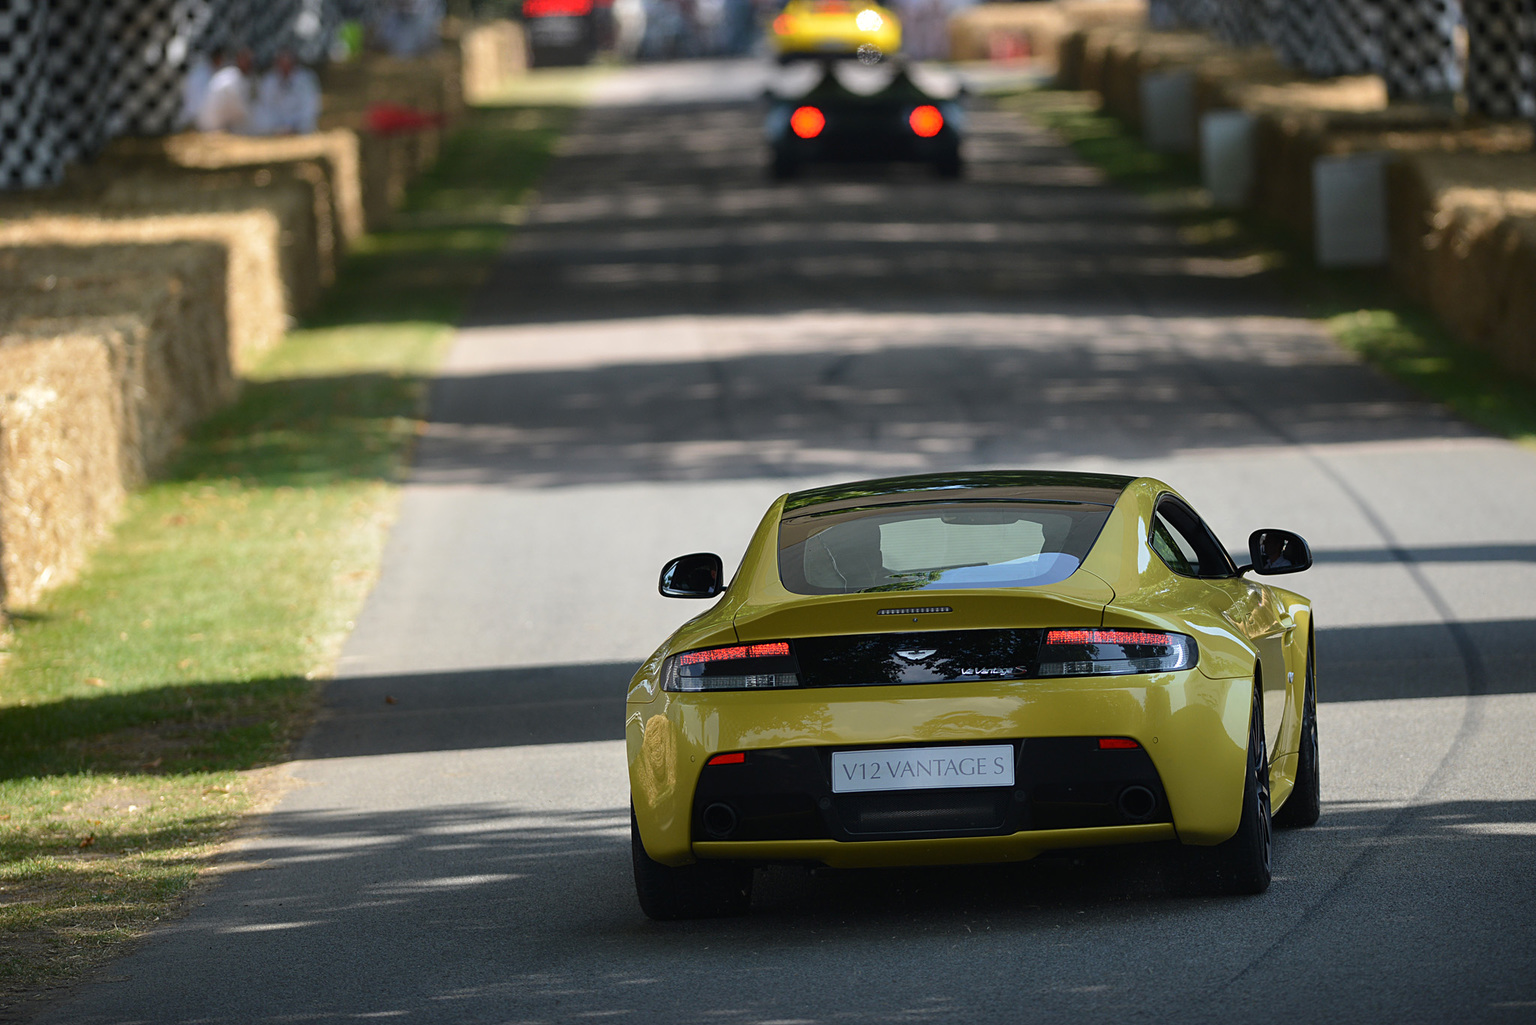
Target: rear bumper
1193,729
970,850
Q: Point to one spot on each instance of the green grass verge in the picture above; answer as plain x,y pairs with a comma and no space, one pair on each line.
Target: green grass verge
135,702
1364,311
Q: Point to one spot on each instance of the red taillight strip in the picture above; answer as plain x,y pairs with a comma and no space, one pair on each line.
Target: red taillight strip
731,759
776,648
1117,744
556,8
1106,637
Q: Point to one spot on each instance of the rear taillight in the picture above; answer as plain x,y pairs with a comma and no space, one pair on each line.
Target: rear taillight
807,122
1096,652
926,121
735,667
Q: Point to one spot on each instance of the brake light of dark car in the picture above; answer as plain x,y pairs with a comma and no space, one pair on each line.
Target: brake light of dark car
807,122
734,667
926,121
1114,652
556,8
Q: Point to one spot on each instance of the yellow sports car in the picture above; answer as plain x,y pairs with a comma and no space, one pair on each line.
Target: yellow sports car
835,28
973,667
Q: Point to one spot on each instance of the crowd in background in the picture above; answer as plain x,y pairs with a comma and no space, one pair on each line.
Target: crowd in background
220,95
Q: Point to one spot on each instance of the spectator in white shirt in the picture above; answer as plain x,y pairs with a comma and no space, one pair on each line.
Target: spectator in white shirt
194,88
227,106
287,100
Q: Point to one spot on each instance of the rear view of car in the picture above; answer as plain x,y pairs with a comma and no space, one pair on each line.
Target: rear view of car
833,124
969,668
835,28
560,32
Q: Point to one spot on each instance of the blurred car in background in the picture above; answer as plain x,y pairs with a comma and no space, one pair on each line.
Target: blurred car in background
561,32
831,123
835,28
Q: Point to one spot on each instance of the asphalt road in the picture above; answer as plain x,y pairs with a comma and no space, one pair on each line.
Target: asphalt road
671,343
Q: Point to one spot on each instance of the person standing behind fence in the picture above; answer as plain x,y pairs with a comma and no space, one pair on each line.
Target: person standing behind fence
194,88
227,105
287,100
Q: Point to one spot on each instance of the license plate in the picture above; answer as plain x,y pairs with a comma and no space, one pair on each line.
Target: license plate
922,768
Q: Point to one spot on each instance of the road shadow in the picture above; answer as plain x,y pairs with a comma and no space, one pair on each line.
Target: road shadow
917,404
494,910
669,209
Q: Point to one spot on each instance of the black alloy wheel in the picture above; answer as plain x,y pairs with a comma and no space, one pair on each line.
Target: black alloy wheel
1241,864
1305,804
705,889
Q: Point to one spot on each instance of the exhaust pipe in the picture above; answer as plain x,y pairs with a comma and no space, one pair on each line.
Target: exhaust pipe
720,820
1137,803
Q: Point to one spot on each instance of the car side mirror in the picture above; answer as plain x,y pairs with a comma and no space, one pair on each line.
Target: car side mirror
699,575
1275,551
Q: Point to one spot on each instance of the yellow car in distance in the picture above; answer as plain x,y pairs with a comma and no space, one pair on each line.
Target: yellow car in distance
835,28
968,668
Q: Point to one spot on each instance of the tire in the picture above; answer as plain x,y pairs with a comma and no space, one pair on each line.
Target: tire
1241,864
1305,804
707,889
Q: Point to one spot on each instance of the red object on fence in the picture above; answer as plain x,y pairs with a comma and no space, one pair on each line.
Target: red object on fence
394,118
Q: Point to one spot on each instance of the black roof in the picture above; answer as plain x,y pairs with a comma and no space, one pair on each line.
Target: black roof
986,485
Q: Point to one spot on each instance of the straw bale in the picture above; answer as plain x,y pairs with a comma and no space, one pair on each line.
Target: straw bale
390,162
60,482
334,153
269,252
1464,234
166,335
494,53
290,202
975,32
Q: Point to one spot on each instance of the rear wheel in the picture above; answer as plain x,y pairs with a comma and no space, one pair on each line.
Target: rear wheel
705,889
1241,864
1305,804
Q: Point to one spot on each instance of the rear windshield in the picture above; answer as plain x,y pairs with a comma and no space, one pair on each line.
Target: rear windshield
930,545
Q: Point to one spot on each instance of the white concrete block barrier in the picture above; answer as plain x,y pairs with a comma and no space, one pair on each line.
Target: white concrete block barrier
1168,110
1349,205
1227,156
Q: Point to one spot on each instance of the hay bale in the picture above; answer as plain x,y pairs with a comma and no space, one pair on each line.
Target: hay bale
264,232
332,155
60,481
289,202
494,53
388,163
1464,239
160,310
999,31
